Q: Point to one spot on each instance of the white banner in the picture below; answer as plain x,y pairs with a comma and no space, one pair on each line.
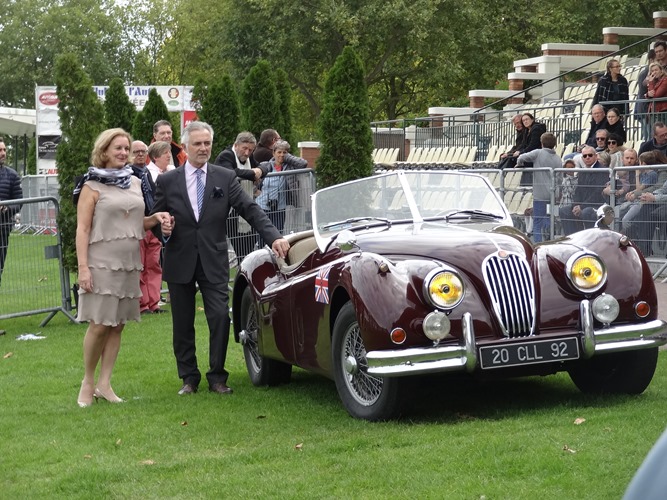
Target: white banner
178,98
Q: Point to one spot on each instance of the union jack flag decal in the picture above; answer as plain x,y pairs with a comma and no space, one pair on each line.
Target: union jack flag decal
322,286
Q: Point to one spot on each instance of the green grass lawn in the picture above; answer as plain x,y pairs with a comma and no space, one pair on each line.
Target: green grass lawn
511,439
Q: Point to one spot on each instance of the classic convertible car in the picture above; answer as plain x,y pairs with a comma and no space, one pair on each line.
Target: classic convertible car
411,273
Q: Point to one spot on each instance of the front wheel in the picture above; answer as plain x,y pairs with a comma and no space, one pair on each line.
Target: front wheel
364,396
628,372
262,371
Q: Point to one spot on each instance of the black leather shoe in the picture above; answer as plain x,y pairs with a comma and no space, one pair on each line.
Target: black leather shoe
187,389
220,388
159,311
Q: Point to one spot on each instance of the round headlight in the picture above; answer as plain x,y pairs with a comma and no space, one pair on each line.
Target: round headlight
443,288
605,308
586,272
436,326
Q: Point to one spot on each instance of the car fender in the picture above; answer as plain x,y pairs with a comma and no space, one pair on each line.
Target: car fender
386,295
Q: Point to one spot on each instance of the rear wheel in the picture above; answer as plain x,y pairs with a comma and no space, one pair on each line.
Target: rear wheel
364,396
262,371
628,372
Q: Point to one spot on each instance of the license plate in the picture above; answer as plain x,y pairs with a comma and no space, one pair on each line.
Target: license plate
528,353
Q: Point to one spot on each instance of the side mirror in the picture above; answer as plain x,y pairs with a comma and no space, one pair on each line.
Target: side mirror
346,240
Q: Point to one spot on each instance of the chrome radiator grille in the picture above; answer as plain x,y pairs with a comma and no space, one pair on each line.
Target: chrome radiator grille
510,284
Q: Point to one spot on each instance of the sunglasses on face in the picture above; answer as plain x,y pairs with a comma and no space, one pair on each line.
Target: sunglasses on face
588,155
600,139
611,142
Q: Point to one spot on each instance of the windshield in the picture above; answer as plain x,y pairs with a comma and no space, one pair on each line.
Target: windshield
383,200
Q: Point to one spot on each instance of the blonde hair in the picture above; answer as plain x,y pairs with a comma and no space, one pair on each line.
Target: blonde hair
658,65
98,158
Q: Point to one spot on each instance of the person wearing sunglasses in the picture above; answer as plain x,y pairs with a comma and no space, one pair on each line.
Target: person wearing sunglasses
582,213
615,149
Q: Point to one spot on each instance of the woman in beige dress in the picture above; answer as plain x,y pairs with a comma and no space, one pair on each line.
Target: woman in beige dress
110,224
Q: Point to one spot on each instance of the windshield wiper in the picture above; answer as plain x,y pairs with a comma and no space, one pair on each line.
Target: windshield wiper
466,214
356,219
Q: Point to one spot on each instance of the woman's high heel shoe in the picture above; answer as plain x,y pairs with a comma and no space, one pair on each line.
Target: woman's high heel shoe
83,401
111,398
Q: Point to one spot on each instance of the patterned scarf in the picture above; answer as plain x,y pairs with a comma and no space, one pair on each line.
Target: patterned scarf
121,177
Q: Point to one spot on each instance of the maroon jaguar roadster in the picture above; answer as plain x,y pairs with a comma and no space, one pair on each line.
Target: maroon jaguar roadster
411,273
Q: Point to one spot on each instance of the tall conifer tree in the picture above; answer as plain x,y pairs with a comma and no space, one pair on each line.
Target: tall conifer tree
344,129
284,92
154,110
259,99
220,109
81,120
118,109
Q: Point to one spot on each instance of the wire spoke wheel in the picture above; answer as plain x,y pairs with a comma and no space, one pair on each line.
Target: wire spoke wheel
363,395
251,345
365,388
262,370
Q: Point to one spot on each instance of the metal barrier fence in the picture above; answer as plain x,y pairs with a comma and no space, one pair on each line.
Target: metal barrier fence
34,280
285,197
33,219
568,121
644,221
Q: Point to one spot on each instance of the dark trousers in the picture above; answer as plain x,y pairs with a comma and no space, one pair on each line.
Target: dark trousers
183,310
5,229
650,215
572,224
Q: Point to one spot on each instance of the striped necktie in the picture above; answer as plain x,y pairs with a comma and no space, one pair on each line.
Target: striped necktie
200,191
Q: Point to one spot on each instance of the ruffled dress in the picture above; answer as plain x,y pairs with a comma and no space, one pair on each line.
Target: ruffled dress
113,255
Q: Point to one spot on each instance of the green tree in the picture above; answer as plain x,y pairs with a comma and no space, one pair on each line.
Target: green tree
199,90
346,140
284,93
259,99
417,53
81,117
34,32
154,110
31,163
220,109
118,109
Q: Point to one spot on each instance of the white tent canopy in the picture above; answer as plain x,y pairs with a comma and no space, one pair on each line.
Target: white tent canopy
14,121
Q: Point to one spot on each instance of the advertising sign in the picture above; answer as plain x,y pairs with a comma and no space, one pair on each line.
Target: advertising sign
178,98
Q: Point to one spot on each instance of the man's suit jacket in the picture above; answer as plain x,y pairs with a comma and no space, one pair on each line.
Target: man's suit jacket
227,159
206,238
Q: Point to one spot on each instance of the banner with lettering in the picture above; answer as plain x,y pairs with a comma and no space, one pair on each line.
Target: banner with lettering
178,98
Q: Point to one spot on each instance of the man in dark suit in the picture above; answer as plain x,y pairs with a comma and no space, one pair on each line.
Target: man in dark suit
199,196
239,158
10,189
587,197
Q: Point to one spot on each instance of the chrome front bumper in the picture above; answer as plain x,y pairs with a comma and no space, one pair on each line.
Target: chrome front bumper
438,359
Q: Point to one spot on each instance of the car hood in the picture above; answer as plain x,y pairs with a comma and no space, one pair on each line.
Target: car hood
462,245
